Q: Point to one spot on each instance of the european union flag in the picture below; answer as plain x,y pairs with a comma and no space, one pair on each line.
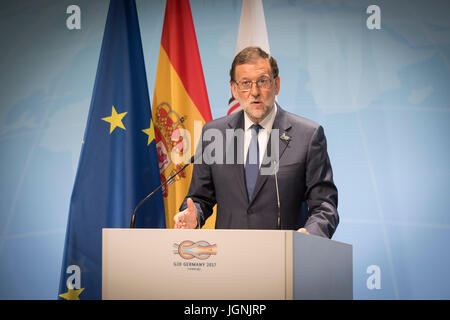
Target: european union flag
118,163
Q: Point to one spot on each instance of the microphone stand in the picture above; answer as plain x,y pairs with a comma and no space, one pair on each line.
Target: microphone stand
133,216
278,196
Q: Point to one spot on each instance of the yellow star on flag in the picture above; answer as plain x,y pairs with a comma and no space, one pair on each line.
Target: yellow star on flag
115,120
150,132
72,294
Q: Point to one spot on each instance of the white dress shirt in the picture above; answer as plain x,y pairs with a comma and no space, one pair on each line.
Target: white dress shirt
263,135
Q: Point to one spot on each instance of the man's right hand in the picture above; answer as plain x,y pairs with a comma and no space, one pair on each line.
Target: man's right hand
186,219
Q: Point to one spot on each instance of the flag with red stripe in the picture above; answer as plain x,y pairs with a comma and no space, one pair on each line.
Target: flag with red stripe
180,102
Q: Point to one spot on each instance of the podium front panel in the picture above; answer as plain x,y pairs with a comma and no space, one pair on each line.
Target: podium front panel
194,264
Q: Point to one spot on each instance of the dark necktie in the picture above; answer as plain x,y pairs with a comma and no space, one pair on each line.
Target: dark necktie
252,162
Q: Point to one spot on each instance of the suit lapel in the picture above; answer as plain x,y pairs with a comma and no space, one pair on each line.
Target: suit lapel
236,147
282,124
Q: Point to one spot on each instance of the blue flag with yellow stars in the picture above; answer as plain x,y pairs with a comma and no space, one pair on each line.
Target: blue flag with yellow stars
118,163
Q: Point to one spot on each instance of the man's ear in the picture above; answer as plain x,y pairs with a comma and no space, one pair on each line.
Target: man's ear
277,85
234,90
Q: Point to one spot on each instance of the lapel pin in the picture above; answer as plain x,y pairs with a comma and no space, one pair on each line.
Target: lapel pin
285,137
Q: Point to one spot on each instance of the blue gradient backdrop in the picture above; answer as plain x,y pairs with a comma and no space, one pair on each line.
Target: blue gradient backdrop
383,97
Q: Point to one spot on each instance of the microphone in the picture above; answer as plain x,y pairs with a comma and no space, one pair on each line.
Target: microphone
278,194
133,216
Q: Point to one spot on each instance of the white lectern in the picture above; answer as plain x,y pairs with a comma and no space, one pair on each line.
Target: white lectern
224,264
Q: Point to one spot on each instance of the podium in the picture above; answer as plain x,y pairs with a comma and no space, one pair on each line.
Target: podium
172,264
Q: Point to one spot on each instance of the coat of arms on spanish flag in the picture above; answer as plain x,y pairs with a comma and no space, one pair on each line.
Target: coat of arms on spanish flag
180,99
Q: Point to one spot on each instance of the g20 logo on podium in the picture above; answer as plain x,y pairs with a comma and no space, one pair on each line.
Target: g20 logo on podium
188,249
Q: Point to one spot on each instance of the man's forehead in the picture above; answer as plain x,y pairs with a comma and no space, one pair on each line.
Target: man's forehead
255,67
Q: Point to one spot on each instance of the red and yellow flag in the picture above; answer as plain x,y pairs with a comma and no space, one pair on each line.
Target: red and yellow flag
180,98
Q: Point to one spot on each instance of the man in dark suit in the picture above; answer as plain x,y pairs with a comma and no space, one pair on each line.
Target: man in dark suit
247,194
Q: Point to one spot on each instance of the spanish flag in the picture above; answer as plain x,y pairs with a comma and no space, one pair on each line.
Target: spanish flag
180,102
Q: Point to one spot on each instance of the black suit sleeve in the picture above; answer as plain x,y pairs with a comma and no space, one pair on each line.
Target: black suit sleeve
321,193
201,189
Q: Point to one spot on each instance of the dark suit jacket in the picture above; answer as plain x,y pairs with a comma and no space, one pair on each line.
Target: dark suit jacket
304,174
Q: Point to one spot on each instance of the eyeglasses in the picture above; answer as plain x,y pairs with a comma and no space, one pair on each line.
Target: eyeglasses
261,83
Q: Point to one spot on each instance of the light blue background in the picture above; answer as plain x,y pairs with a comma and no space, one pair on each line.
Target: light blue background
383,97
